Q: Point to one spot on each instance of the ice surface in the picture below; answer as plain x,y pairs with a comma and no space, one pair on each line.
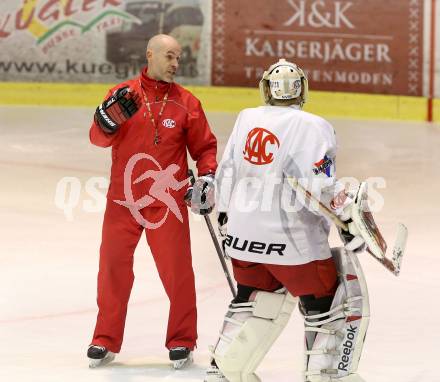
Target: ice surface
49,263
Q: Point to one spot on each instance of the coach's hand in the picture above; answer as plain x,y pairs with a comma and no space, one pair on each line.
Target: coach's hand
201,195
117,109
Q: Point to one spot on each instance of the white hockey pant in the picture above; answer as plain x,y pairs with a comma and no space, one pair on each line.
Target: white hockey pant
248,332
334,339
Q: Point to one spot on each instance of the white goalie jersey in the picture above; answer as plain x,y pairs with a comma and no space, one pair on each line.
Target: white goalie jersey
267,222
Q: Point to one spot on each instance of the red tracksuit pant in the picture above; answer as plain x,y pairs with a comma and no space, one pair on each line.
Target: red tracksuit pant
170,246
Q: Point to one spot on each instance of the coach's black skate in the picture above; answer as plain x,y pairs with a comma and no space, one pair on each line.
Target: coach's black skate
181,357
99,356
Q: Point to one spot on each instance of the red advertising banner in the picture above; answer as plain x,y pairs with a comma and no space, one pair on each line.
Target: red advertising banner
363,46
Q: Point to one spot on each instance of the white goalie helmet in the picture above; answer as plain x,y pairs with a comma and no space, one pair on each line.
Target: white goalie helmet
284,81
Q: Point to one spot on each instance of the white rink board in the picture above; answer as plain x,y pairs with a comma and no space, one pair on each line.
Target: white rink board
49,264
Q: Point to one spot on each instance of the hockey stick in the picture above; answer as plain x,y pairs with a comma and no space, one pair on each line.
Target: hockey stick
393,264
219,250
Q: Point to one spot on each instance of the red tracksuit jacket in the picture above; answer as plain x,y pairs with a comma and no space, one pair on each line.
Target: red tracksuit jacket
182,125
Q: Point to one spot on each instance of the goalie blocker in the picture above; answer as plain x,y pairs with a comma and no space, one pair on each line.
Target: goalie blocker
361,224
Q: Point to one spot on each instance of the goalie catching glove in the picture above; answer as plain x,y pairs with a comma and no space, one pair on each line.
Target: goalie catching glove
117,109
352,239
354,243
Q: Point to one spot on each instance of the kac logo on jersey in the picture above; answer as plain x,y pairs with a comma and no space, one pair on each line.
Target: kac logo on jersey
260,147
169,123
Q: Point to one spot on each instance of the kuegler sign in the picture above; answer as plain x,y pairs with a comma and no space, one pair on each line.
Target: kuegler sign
99,40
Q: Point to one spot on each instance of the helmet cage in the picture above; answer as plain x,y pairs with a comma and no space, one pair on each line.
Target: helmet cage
284,81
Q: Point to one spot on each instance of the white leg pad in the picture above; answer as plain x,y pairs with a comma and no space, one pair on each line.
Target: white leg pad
334,339
351,378
248,332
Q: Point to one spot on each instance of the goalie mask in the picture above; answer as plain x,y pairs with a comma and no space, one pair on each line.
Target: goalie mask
284,81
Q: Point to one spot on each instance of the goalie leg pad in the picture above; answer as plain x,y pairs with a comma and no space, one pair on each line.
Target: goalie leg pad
248,332
335,338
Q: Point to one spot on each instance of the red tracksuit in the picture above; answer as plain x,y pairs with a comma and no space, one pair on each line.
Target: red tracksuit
182,126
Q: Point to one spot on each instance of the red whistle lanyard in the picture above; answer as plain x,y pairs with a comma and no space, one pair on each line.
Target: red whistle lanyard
155,124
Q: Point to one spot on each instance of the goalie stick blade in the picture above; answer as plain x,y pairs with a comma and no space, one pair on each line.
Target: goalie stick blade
386,262
370,232
394,265
399,247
